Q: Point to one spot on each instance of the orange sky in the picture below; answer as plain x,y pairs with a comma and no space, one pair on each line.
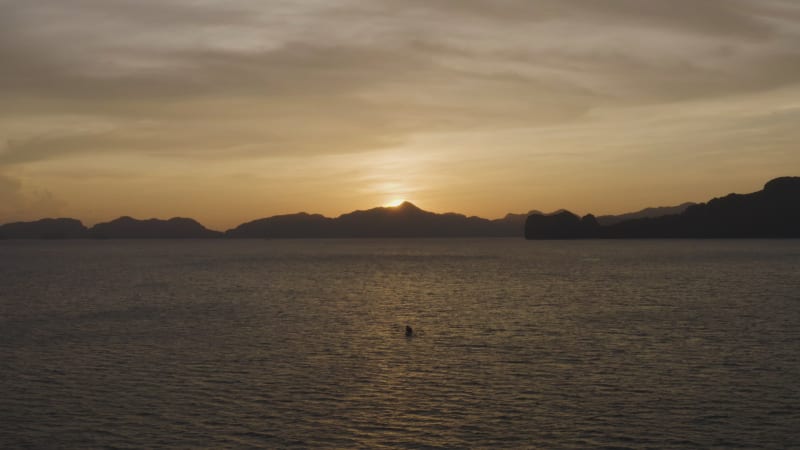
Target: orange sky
232,111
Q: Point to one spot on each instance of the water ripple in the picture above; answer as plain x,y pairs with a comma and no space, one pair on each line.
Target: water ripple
299,344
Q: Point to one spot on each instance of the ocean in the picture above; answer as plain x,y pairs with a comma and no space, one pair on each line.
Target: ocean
300,344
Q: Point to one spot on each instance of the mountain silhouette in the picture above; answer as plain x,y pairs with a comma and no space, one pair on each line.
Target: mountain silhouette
644,213
298,225
773,212
44,229
560,225
130,228
405,220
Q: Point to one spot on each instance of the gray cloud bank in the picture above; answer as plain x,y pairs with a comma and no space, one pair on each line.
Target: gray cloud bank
251,79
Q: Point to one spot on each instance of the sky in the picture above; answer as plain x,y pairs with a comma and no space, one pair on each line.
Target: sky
229,111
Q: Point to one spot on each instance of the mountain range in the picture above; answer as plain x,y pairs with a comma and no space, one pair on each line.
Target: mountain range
772,212
405,220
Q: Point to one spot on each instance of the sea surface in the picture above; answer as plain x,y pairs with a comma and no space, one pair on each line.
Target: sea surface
300,344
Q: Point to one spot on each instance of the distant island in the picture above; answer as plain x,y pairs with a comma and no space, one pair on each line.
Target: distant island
122,228
128,227
772,212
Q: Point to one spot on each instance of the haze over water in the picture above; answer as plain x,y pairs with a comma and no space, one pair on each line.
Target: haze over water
300,343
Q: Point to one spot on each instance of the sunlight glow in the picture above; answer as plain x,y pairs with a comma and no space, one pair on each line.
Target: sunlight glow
393,203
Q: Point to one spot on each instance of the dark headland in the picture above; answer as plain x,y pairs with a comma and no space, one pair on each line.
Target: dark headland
773,212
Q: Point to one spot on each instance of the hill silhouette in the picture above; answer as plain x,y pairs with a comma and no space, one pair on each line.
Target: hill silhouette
773,212
405,220
44,229
644,214
560,225
130,228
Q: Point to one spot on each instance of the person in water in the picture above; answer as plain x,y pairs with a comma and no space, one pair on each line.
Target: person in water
409,331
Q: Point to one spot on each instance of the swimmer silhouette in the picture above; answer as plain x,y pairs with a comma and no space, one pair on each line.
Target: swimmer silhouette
409,331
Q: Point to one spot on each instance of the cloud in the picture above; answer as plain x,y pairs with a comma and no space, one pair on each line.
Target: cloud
295,99
242,79
731,18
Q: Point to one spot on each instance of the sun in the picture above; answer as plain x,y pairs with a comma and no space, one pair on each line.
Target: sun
393,203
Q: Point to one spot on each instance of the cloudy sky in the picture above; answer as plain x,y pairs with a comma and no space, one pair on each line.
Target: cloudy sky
228,111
